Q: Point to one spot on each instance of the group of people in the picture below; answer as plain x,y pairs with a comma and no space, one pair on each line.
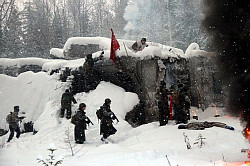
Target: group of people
169,101
80,119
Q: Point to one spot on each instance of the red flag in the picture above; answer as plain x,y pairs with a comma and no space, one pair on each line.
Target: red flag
114,46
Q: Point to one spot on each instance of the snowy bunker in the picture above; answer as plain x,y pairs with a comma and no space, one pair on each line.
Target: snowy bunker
138,72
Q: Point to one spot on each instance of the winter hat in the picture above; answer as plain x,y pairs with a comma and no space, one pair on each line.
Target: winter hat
182,126
82,105
143,39
16,108
107,101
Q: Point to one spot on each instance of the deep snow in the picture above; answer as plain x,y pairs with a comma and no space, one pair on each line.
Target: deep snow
38,94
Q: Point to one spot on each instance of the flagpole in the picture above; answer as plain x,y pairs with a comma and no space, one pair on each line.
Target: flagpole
125,48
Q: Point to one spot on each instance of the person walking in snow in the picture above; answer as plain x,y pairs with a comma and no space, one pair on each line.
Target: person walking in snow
139,46
80,120
13,120
66,100
162,96
106,126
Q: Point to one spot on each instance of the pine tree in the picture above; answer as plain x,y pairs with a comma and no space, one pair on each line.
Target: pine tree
12,34
119,22
51,160
4,11
29,29
57,30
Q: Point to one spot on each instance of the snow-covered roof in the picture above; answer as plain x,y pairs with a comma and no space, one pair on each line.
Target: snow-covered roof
193,50
7,62
104,43
46,64
57,52
154,49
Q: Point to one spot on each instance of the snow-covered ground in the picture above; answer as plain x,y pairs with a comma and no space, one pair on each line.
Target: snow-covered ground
38,95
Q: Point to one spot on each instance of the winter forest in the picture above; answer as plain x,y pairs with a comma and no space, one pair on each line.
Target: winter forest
33,27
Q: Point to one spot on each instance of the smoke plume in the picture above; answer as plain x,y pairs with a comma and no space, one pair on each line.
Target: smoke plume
228,23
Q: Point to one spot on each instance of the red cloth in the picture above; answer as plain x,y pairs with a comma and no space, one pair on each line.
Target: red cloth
170,107
114,46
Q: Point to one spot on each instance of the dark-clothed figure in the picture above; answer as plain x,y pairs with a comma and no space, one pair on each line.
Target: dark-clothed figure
162,95
91,75
139,46
182,105
203,125
80,120
107,128
66,100
13,120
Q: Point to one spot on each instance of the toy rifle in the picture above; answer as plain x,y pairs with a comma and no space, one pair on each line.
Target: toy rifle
90,121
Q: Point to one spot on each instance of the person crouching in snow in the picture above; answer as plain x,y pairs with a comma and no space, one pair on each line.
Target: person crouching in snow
80,120
108,116
139,46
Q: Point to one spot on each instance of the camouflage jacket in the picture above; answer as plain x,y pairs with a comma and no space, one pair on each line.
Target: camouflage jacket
12,119
66,100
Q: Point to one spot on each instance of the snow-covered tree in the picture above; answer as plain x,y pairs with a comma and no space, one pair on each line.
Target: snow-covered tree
51,160
12,34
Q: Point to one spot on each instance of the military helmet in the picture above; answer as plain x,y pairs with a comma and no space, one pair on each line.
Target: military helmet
107,101
16,108
82,105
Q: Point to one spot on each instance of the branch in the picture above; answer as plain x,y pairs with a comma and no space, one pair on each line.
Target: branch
2,7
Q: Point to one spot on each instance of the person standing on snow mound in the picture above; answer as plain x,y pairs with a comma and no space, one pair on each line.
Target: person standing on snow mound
139,46
13,120
66,100
80,120
107,128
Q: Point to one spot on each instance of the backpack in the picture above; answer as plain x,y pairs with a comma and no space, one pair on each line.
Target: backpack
28,127
99,113
9,119
66,97
73,120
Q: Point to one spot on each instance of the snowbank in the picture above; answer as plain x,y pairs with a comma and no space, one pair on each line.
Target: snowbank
7,62
46,64
193,50
38,94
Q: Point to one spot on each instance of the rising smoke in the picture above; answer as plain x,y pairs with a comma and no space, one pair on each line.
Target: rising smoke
135,15
228,23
